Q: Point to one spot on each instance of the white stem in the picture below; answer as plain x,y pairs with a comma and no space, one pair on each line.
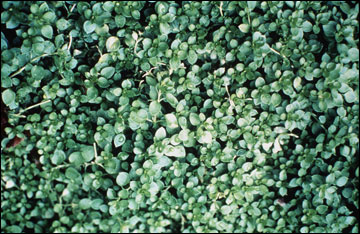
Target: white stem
220,8
230,101
33,106
72,8
31,61
136,43
70,42
18,72
99,51
95,152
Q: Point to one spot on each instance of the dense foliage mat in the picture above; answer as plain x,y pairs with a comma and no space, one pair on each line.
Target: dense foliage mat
180,116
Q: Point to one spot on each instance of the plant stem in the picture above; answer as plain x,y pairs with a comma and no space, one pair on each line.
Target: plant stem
220,8
33,106
70,42
31,61
95,152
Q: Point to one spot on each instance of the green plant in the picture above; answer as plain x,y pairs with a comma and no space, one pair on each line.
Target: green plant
180,116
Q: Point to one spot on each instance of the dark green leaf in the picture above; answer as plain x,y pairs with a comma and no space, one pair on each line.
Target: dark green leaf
47,31
122,179
8,96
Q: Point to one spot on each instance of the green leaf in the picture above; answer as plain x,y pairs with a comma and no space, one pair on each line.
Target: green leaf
89,27
259,82
247,166
175,151
251,5
290,4
329,29
155,108
72,173
164,28
76,158
146,43
164,161
62,24
341,182
123,178
297,83
174,63
275,99
265,98
135,14
112,165
171,121
283,175
206,138
321,209
345,150
120,21
241,122
92,93
49,17
192,57
96,203
119,140
87,153
107,72
283,191
184,135
304,229
142,114
245,28
112,44
350,96
225,210
267,145
172,99
353,54
85,203
8,97
330,178
47,31
194,119
58,157
38,48
6,82
12,228
160,133
307,26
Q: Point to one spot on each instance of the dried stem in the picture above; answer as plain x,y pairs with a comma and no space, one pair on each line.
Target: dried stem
220,8
31,61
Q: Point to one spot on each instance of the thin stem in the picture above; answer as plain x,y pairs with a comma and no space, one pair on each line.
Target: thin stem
72,8
277,52
31,61
99,51
70,42
230,101
33,106
292,134
18,115
220,8
159,95
18,72
149,72
40,56
95,152
136,43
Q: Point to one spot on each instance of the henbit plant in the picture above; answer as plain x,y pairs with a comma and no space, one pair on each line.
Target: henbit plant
180,116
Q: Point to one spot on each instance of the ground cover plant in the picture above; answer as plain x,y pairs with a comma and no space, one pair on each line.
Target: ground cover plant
177,116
